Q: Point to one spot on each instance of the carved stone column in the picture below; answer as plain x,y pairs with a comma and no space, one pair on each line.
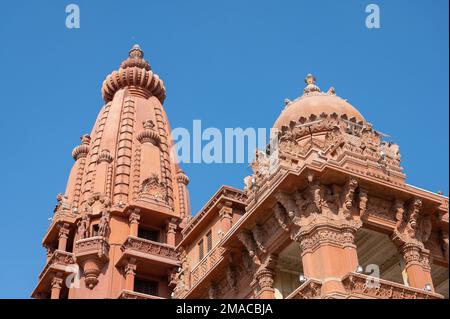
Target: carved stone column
329,253
265,278
183,181
134,221
49,254
171,227
417,265
322,219
63,234
213,291
413,229
226,215
56,285
130,274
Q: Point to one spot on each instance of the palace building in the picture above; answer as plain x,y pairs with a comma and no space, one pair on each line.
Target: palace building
325,214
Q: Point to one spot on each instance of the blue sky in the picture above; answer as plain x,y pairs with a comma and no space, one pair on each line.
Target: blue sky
229,63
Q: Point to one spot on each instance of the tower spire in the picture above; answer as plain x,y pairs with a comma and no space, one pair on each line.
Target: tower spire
124,188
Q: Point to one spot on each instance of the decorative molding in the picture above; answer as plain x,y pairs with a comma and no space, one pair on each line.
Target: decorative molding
149,247
82,150
135,72
356,285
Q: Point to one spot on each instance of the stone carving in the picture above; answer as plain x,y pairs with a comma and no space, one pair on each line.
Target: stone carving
399,210
246,237
103,226
149,134
258,235
349,197
311,86
62,203
391,150
105,156
82,150
445,244
357,284
83,226
281,216
213,291
248,183
91,254
231,277
412,226
265,278
152,187
247,261
309,290
135,72
319,213
316,200
363,199
150,247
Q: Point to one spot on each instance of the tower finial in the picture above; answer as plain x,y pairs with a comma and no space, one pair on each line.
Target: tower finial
136,51
311,86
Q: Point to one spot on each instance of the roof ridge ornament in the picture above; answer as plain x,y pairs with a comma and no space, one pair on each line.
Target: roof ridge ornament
311,86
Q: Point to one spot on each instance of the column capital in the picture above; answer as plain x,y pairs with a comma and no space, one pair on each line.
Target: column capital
226,210
265,278
414,254
130,268
171,225
57,281
335,233
63,230
135,216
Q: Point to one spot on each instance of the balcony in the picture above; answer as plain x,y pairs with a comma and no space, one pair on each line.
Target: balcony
360,286
92,254
357,287
127,294
309,290
60,262
212,258
149,252
91,247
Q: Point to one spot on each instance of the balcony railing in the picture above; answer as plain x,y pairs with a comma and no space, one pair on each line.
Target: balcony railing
309,290
92,246
363,285
150,247
127,294
206,264
59,260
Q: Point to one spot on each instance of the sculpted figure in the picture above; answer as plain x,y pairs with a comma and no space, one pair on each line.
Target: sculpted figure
63,202
103,226
248,184
83,227
445,244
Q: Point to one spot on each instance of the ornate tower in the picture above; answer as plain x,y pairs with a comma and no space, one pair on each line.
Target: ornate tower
326,213
114,230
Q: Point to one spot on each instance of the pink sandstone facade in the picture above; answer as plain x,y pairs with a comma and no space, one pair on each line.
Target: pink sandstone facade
332,209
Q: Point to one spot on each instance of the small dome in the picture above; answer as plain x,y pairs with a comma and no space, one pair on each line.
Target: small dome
315,102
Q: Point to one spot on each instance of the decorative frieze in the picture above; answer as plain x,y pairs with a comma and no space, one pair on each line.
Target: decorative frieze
319,214
149,247
356,286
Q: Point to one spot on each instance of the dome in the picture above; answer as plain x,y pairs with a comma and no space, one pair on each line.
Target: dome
134,72
315,102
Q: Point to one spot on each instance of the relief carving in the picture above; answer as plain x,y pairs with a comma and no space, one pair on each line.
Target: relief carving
319,213
412,226
155,189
